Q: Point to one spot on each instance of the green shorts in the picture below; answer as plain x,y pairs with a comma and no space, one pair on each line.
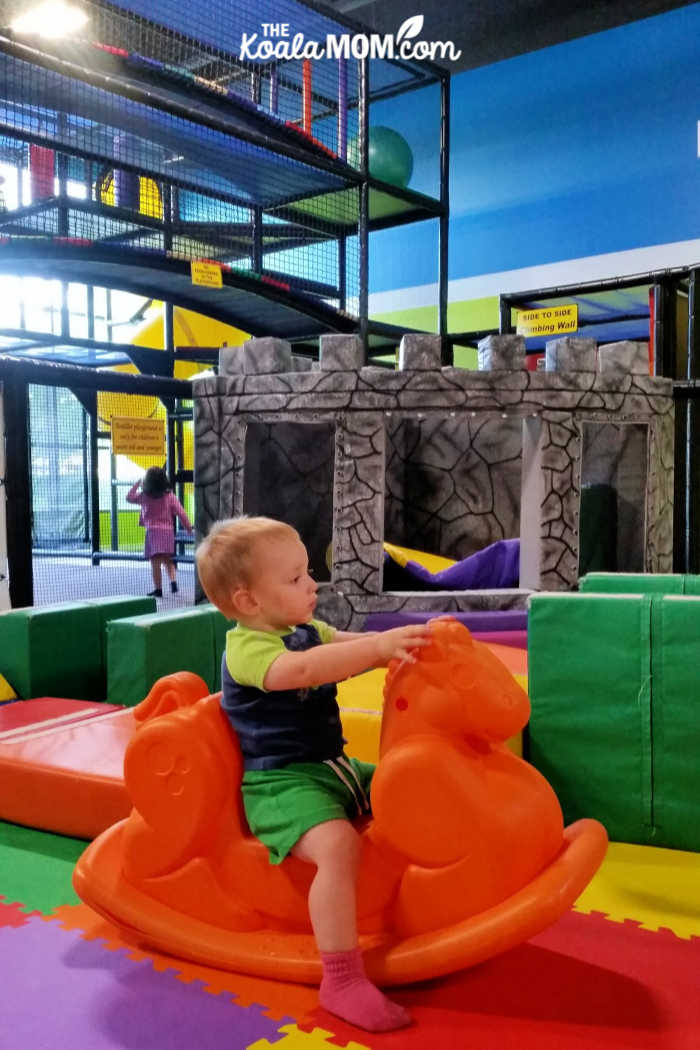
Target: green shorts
281,804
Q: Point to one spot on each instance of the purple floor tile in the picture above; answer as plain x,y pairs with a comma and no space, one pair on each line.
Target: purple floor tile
60,992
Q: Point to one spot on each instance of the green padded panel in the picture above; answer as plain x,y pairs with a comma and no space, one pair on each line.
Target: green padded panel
220,627
141,649
676,721
117,608
632,583
589,683
692,585
53,650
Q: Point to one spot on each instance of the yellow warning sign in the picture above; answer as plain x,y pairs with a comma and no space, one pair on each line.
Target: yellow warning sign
133,436
554,320
206,273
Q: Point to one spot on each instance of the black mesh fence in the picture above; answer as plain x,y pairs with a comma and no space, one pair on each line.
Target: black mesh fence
61,471
147,132
87,539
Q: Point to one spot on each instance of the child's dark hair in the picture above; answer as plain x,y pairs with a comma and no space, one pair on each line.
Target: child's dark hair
155,482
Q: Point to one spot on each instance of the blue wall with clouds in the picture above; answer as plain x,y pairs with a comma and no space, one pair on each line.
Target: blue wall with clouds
581,149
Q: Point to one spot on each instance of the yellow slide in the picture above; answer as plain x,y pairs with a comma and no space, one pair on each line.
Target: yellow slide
190,329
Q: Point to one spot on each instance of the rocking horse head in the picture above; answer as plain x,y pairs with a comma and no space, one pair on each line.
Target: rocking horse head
457,688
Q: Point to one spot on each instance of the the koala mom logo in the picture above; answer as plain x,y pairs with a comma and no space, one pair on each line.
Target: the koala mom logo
277,41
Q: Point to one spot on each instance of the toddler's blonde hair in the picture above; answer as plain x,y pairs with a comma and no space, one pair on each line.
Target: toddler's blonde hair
226,557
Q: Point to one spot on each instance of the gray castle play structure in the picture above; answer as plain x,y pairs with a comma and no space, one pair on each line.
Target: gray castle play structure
573,459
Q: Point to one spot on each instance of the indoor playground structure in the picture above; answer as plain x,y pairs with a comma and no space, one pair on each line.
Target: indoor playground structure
146,143
574,462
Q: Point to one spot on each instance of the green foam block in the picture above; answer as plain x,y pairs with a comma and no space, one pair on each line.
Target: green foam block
632,583
141,649
615,724
221,628
53,650
589,675
676,721
117,608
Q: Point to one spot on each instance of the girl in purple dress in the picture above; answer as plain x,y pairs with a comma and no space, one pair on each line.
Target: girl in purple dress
159,507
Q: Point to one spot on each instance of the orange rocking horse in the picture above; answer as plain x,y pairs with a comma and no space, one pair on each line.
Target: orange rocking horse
465,854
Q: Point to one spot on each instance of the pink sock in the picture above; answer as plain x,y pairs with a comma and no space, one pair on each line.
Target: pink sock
346,991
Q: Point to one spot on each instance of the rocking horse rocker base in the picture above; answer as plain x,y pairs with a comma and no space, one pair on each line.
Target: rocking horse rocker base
465,855
293,956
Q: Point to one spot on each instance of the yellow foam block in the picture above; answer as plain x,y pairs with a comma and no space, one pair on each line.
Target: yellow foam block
656,887
6,690
361,700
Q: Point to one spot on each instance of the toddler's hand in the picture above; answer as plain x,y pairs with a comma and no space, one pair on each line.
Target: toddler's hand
400,643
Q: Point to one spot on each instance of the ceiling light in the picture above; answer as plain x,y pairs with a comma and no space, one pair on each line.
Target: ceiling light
53,18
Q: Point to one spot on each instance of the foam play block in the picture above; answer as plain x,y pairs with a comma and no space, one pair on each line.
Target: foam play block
361,702
632,583
7,693
45,711
67,778
676,721
142,649
116,608
220,628
53,649
590,691
615,723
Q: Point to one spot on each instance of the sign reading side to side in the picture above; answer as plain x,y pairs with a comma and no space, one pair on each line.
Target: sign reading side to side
206,273
133,436
554,320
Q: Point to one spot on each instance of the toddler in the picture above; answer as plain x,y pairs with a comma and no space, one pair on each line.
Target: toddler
159,507
300,791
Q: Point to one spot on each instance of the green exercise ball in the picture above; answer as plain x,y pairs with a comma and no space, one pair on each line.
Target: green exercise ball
390,157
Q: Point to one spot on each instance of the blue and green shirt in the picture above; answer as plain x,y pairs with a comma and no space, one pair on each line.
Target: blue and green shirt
280,726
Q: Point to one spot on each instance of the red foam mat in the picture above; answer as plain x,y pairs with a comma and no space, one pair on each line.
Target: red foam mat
67,778
48,709
583,984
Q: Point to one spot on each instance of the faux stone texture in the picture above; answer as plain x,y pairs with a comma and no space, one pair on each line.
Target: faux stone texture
624,358
302,364
501,353
341,352
230,360
571,354
419,351
433,458
265,356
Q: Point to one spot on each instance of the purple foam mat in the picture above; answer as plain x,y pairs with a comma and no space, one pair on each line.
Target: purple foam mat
505,620
60,992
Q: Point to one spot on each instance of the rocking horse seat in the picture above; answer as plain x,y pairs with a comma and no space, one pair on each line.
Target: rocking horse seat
465,855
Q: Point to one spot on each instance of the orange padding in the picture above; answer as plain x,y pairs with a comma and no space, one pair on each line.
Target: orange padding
67,778
465,854
513,658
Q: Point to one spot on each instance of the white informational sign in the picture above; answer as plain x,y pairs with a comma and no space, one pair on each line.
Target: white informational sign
4,579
